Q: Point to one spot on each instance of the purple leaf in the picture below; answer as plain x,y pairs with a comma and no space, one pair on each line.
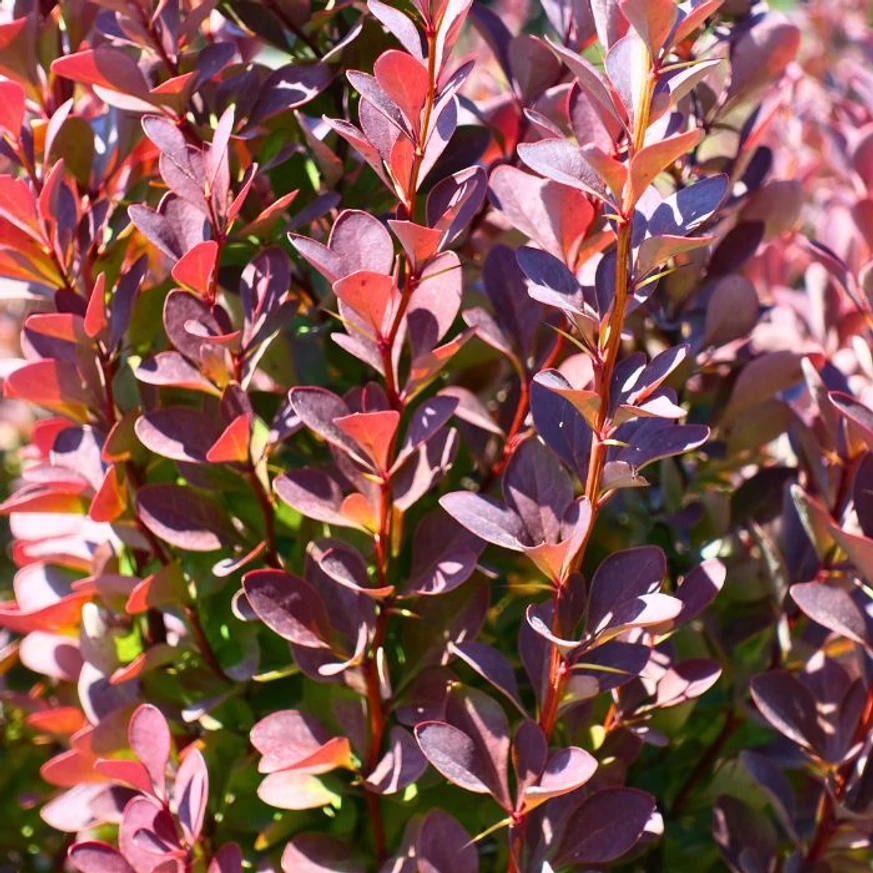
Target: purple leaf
538,489
486,518
789,706
191,792
228,859
313,494
320,853
561,161
443,846
289,606
515,311
553,215
567,770
558,422
454,201
178,432
455,755
149,737
289,87
492,665
688,208
184,518
94,857
832,607
401,765
623,577
444,555
605,826
292,740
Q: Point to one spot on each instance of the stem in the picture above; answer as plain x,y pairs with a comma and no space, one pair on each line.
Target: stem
604,369
704,764
203,643
267,512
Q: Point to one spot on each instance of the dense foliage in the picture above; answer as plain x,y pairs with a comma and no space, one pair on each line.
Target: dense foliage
440,436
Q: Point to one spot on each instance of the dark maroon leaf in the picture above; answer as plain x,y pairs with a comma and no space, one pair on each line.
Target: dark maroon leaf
605,826
789,707
184,518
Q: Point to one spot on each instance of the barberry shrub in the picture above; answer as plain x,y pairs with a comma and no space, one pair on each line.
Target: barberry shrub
450,438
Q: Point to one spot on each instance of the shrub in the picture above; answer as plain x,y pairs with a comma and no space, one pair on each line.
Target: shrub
454,436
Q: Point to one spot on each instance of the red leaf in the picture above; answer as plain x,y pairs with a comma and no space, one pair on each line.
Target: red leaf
369,294
653,20
127,772
96,318
11,108
18,206
196,267
404,79
653,159
160,589
110,501
105,66
374,432
233,444
50,384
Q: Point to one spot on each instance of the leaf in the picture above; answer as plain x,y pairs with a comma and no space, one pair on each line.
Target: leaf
444,555
732,310
653,20
196,267
486,518
567,770
398,24
698,589
313,494
761,54
289,87
293,740
859,415
191,792
94,857
51,385
319,853
592,84
177,432
555,216
150,739
688,208
228,859
561,161
232,446
455,755
108,67
518,315
404,79
789,706
401,766
653,159
605,826
624,576
443,846
12,102
289,606
370,295
492,665
832,607
183,518
295,790
538,489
